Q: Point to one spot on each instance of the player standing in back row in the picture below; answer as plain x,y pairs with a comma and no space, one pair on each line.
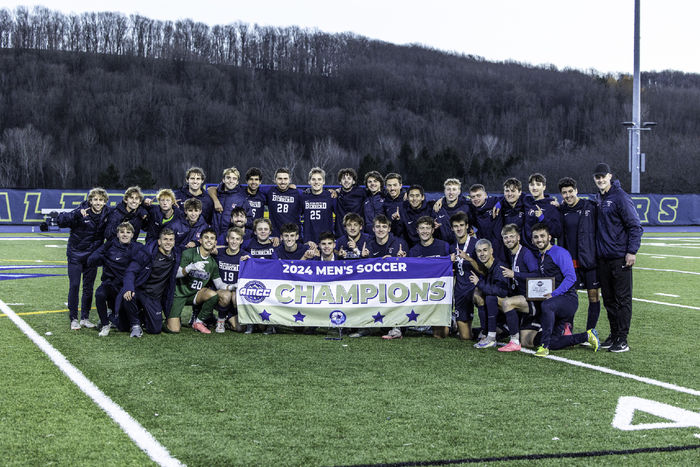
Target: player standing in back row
618,239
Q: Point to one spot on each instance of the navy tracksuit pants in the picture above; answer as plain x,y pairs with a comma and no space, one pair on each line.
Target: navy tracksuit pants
557,311
78,269
146,307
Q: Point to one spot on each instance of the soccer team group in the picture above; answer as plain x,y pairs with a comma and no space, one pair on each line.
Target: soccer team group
196,238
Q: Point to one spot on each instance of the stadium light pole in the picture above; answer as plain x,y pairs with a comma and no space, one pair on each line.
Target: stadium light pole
634,128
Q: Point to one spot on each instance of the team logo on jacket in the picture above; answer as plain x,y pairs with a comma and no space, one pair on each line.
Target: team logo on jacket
254,291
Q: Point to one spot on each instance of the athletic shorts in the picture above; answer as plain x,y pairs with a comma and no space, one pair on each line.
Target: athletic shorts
587,279
464,306
179,303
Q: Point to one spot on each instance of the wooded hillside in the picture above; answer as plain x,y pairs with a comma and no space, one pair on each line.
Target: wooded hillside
82,92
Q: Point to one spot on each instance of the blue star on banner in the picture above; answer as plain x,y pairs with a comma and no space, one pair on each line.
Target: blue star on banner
299,317
265,315
378,318
412,316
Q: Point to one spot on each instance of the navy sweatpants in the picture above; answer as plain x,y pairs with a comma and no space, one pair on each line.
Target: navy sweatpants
78,269
616,287
105,296
151,309
555,312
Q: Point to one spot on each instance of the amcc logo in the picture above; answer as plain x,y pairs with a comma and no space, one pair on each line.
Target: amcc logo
254,291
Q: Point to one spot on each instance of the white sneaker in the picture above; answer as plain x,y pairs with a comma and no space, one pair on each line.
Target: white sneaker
104,332
86,323
75,325
220,328
136,331
362,332
395,333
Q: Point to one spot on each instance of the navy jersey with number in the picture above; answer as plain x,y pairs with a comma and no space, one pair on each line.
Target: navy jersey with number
254,207
285,207
318,215
229,265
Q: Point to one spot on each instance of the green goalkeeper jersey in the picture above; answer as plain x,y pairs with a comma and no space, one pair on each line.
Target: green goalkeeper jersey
195,280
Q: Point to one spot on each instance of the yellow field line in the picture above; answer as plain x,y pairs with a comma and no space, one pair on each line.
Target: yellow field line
2,315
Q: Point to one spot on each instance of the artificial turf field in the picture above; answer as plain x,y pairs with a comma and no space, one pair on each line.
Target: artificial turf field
293,399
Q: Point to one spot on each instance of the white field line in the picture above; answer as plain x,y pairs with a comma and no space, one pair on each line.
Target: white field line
602,369
646,301
673,245
39,239
666,304
668,270
667,294
690,239
669,256
143,439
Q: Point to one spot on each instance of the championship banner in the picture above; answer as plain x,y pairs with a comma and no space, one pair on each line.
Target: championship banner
351,293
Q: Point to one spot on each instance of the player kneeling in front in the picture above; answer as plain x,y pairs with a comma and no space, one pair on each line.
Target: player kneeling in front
197,268
149,282
229,264
559,307
114,257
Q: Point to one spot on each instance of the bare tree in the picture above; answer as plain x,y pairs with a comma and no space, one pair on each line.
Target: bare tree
28,150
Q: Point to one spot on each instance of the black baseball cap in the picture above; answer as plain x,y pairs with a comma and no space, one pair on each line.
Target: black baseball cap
602,169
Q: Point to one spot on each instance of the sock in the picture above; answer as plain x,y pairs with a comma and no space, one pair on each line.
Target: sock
512,321
492,336
481,310
221,311
593,314
207,308
515,338
491,312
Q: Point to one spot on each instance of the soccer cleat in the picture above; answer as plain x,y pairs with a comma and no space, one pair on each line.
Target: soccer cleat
249,329
200,327
567,329
394,333
220,327
511,346
485,343
593,339
542,351
86,323
270,330
136,331
619,346
607,343
104,332
362,332
75,325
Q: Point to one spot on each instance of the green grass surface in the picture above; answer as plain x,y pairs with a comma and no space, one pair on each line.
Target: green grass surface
292,399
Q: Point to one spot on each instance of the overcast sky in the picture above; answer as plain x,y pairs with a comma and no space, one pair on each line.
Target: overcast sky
589,34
